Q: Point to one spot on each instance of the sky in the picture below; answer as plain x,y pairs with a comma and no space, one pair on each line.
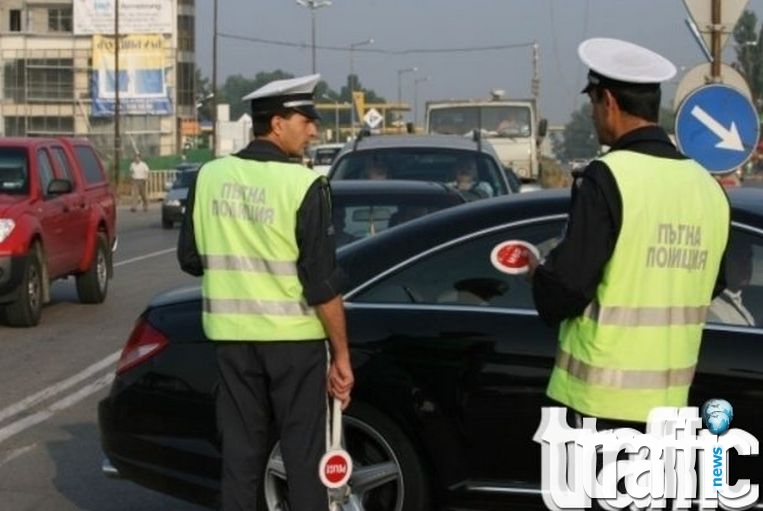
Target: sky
487,43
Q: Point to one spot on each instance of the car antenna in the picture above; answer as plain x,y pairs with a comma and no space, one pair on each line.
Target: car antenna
363,133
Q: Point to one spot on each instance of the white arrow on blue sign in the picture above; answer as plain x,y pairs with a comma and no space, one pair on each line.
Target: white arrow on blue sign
717,126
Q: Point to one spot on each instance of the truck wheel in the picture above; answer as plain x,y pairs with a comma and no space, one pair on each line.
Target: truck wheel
93,284
26,310
167,224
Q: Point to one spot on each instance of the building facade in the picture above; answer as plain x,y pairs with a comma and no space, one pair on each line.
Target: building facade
59,75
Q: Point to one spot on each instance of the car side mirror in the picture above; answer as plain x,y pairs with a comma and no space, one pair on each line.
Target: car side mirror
60,187
542,127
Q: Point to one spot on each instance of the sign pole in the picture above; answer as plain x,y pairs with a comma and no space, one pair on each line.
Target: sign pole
717,29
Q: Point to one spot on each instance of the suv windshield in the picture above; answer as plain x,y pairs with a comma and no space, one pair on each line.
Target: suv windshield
419,163
184,179
14,171
496,120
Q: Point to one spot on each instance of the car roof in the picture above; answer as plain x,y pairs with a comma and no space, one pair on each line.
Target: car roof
412,141
390,187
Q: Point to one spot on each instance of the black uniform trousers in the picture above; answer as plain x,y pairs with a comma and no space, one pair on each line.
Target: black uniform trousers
280,381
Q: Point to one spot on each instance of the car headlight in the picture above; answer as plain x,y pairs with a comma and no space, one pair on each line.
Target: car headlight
172,202
6,227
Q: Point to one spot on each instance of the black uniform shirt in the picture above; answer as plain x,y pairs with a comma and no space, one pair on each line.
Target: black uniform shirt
318,273
566,283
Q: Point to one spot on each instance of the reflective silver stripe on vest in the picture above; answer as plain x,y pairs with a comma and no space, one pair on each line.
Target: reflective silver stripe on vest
251,264
645,316
274,308
623,378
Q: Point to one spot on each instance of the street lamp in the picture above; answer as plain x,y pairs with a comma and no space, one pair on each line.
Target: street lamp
352,80
313,5
416,82
400,73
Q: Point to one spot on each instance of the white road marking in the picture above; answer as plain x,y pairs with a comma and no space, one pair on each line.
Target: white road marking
57,388
25,404
16,453
38,417
147,256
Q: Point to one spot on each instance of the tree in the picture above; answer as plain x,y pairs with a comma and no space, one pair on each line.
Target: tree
749,53
580,140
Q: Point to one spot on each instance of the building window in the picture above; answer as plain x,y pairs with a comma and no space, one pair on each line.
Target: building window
42,126
15,20
60,20
186,33
15,126
50,79
185,79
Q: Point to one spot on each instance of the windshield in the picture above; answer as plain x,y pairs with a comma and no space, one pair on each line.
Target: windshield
421,164
184,179
325,156
14,171
496,120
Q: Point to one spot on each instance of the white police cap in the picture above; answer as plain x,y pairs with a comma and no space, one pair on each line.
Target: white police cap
613,63
293,93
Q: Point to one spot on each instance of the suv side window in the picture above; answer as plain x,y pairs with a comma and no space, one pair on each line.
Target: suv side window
91,167
463,274
45,170
63,163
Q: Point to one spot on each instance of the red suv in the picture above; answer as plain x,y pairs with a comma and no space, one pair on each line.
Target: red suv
57,218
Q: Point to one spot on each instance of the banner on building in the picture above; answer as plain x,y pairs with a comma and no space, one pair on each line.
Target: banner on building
142,76
93,17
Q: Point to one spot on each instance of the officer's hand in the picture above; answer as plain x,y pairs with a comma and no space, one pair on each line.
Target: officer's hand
341,380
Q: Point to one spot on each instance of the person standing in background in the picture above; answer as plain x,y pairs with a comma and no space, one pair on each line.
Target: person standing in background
138,179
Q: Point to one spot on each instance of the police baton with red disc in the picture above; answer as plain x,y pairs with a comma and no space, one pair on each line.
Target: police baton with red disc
335,467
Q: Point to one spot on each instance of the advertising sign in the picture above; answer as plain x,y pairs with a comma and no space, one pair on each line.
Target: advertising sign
142,78
93,17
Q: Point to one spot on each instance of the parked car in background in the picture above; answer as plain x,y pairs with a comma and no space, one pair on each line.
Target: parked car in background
173,205
421,158
57,219
322,156
362,208
451,364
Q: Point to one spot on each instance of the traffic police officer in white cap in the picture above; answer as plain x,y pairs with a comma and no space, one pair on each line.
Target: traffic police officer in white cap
257,229
621,284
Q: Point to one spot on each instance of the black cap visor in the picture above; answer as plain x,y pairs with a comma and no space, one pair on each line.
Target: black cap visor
598,80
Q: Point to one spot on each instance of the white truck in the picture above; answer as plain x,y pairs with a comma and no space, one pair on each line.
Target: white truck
512,126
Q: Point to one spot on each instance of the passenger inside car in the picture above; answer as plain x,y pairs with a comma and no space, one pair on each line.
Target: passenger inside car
467,180
376,170
729,308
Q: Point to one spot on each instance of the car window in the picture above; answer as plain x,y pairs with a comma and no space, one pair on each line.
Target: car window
184,179
45,170
357,217
741,303
91,167
63,163
420,163
463,274
14,171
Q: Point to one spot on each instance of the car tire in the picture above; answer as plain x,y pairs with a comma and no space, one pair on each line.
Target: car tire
93,284
27,308
376,446
167,224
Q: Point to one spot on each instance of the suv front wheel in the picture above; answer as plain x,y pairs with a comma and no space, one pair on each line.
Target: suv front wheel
27,308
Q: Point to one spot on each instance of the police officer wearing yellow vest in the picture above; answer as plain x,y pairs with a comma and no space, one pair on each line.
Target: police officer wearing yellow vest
258,230
631,281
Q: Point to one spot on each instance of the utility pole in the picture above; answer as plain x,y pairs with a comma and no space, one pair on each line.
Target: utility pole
214,81
313,5
352,81
535,82
117,141
715,41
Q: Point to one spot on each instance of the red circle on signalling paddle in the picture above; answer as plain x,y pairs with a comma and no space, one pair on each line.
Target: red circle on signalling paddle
335,468
513,256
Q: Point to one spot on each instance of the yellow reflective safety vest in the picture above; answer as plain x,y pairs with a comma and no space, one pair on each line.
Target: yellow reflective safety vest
636,345
245,220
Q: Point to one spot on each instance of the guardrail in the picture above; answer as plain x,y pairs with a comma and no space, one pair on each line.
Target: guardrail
156,186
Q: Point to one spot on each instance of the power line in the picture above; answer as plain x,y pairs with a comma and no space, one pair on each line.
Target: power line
410,51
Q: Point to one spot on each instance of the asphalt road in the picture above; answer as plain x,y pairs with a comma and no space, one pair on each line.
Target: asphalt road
52,377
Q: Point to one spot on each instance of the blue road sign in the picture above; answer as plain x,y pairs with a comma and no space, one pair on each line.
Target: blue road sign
717,126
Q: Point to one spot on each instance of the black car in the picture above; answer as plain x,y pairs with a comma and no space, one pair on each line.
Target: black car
424,158
173,205
451,364
363,208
